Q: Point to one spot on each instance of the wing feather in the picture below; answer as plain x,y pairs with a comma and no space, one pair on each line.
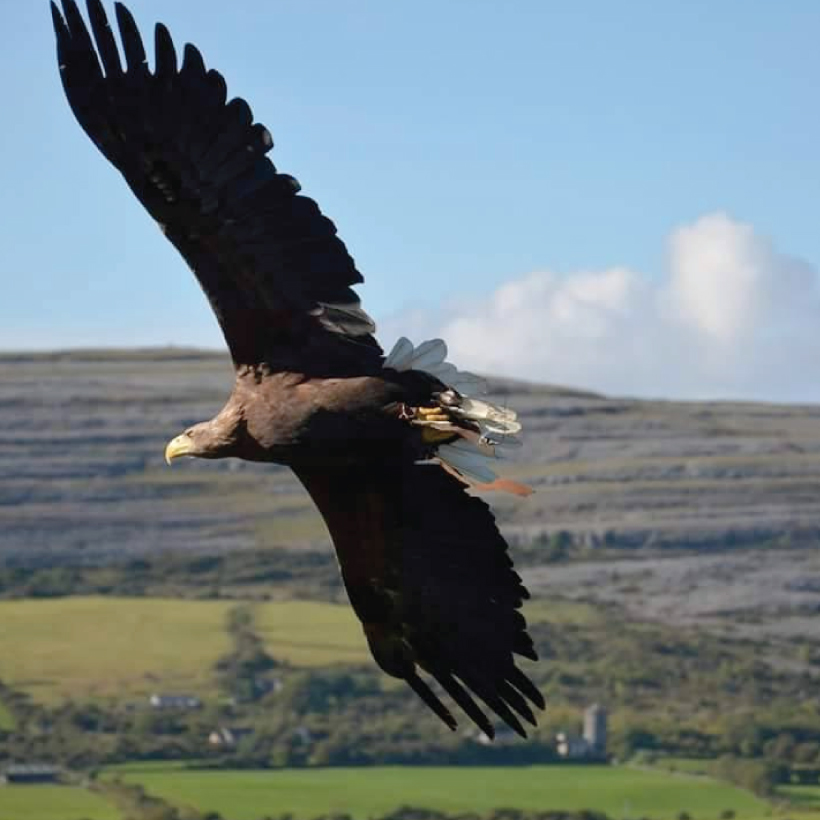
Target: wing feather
462,697
104,37
165,56
429,576
277,275
135,57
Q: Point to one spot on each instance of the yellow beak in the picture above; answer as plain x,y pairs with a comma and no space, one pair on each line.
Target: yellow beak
179,446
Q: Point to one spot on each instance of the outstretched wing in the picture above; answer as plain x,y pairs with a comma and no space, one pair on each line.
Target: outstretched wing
428,574
270,263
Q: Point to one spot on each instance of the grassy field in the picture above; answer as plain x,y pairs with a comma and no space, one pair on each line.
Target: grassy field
53,803
801,796
621,792
309,633
687,765
101,647
807,797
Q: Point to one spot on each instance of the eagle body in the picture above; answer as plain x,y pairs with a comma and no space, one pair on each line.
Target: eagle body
386,446
298,421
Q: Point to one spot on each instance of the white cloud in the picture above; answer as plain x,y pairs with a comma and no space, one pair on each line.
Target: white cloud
728,282
729,317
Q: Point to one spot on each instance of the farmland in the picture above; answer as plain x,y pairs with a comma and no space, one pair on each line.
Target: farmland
54,803
310,633
367,792
618,791
102,647
97,647
804,796
75,656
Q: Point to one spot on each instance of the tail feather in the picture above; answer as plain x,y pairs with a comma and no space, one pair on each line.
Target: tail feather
467,461
430,357
429,354
399,357
468,383
470,456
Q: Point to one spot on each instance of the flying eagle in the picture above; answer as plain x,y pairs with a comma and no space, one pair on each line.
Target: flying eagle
385,445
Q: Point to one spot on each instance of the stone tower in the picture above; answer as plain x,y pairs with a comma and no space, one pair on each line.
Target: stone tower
595,729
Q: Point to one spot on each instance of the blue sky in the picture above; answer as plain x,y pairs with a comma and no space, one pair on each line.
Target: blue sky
459,147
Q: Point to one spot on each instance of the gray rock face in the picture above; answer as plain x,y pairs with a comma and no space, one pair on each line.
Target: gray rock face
82,475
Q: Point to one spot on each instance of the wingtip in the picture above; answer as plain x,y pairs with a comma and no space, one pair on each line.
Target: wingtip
73,19
123,16
462,697
61,34
57,19
104,37
429,698
192,60
161,32
121,11
527,688
503,710
96,7
517,701
135,56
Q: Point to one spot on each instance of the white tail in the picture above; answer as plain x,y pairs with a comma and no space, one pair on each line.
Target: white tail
470,456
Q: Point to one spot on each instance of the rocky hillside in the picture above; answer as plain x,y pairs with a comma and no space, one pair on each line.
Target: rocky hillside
82,474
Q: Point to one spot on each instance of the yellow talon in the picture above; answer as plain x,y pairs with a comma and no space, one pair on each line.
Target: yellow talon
431,414
429,435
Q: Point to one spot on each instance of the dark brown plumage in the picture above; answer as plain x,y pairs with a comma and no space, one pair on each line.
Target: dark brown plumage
425,567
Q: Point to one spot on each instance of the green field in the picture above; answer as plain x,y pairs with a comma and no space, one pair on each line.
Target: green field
128,647
621,792
53,803
309,633
105,647
807,797
687,765
800,796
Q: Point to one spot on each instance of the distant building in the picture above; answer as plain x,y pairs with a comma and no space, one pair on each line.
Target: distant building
502,737
228,737
572,747
592,744
30,773
180,702
595,729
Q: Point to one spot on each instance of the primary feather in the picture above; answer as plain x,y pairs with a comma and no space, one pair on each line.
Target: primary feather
268,260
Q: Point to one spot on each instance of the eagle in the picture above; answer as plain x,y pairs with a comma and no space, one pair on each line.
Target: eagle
387,446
